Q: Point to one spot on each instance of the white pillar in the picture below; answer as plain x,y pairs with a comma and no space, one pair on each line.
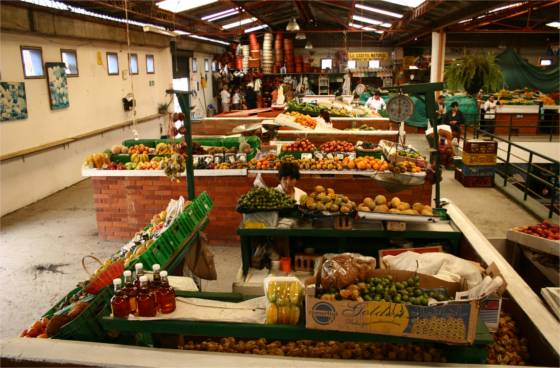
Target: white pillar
443,56
435,57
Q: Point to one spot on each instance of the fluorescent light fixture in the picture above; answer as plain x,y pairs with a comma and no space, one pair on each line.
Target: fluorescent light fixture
160,31
504,7
362,27
239,24
209,39
355,25
407,3
386,25
255,28
379,31
181,32
232,11
465,20
554,24
367,20
380,11
351,64
177,6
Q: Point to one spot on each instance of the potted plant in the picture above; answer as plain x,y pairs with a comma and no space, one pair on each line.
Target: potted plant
473,71
162,108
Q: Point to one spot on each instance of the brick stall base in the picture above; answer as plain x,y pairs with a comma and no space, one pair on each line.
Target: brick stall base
125,204
224,126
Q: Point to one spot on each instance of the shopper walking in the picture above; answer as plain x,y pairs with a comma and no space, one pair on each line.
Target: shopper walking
489,114
236,99
251,98
225,98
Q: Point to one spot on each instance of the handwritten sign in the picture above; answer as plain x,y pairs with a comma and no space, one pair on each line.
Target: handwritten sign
366,56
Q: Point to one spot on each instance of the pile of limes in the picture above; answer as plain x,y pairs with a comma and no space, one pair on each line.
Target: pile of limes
265,198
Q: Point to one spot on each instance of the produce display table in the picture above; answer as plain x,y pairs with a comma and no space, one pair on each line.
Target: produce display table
365,238
474,354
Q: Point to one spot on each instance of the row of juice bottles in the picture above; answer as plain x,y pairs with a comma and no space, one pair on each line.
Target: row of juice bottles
143,296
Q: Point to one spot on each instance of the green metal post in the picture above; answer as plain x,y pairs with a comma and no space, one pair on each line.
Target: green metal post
528,175
184,98
553,197
507,164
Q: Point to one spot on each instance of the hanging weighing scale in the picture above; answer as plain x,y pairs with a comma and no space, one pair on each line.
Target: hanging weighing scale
400,108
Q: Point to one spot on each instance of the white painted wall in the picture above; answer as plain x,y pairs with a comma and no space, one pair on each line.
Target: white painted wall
196,77
95,102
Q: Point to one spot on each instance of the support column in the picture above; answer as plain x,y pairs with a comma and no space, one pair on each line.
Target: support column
438,57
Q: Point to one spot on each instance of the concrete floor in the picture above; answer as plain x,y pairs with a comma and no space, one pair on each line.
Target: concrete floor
42,245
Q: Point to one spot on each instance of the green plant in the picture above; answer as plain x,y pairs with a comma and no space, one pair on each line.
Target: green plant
473,71
162,108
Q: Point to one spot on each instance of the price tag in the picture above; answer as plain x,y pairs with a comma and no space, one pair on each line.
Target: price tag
319,155
330,156
195,160
241,157
351,155
218,159
208,159
306,156
340,155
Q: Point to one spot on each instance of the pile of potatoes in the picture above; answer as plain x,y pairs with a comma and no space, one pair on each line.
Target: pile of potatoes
380,204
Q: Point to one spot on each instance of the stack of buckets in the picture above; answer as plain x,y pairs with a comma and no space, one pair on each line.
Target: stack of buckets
246,56
268,59
255,60
278,53
237,59
299,64
289,55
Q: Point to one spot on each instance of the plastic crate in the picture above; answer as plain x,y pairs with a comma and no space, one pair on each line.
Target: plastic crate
87,326
160,252
184,229
51,311
205,201
152,143
193,214
370,154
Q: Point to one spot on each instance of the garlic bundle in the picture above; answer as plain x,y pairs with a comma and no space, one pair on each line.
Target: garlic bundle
173,167
508,348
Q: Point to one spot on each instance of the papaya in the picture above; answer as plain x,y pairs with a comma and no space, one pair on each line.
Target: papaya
296,293
272,292
284,315
106,158
272,314
295,312
283,295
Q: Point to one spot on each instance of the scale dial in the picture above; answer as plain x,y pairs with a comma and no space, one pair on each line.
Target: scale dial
360,89
400,108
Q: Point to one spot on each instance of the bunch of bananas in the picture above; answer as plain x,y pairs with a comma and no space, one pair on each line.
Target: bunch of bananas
137,158
173,167
341,112
158,159
164,149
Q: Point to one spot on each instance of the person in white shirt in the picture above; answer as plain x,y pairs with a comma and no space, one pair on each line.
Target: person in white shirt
235,99
490,109
225,98
376,102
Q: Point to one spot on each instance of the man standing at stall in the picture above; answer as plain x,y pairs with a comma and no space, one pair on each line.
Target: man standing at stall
441,109
251,98
489,116
376,103
225,98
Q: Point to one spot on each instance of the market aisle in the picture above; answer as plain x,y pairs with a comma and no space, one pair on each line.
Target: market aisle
42,247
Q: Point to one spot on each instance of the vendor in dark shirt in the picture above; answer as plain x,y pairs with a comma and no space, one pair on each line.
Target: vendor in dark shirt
455,119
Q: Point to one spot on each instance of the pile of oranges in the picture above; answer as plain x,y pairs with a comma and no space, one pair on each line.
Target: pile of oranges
140,148
265,162
367,163
304,120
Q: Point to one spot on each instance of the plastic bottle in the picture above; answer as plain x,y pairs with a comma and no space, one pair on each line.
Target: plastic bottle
146,300
119,302
130,290
166,295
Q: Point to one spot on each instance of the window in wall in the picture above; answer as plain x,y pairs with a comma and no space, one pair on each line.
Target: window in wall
205,65
326,63
213,66
70,59
150,68
374,63
32,59
194,65
112,63
133,64
351,64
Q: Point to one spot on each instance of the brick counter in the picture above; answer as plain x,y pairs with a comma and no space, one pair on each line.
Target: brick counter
125,204
224,126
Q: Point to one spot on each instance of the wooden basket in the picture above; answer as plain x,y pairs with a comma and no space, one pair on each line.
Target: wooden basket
106,277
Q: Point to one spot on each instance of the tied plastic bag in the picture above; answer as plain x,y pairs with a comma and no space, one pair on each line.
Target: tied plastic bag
259,181
345,269
284,300
443,266
174,210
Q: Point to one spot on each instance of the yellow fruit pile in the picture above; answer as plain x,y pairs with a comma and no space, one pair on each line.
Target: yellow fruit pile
285,303
137,158
380,204
164,149
547,101
326,200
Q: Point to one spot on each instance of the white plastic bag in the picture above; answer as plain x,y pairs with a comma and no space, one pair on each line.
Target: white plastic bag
443,266
259,182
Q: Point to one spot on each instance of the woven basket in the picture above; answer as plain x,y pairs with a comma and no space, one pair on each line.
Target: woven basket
104,278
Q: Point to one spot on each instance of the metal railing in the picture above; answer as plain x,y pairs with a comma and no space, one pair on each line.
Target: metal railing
510,166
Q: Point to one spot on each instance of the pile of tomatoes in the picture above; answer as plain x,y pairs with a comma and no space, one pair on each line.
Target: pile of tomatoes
338,147
544,230
37,329
301,145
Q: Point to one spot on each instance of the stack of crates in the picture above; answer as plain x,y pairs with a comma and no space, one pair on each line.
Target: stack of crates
479,163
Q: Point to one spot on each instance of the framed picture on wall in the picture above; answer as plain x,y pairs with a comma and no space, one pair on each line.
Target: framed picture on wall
58,85
13,101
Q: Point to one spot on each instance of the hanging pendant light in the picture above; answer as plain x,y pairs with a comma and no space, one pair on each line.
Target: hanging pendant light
300,36
309,46
292,26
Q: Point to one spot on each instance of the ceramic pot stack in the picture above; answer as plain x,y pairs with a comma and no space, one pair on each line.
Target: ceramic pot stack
299,64
246,56
255,60
268,58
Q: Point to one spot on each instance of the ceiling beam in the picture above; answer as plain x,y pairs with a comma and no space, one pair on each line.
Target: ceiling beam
329,15
349,30
247,14
351,13
302,13
414,14
505,31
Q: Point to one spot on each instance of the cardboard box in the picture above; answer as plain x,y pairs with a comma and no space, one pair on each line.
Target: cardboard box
480,146
474,181
478,170
396,252
479,159
451,324
540,244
